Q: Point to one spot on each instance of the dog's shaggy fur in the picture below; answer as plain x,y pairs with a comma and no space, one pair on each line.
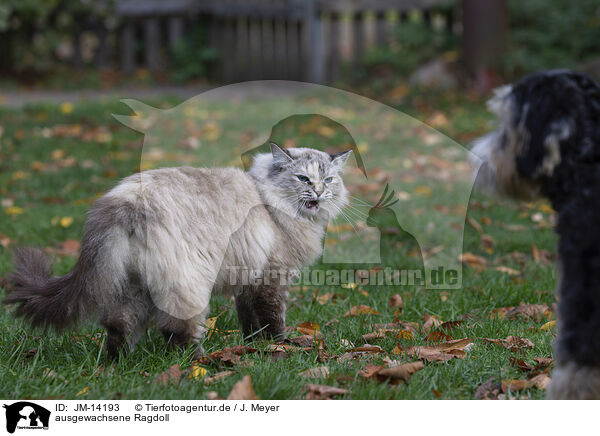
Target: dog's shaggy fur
548,144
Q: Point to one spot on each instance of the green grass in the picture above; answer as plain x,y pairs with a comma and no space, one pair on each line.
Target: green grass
32,178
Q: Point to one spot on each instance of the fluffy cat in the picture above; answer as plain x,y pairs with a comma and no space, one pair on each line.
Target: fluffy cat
159,243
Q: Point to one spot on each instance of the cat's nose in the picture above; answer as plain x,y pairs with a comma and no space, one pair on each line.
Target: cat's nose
319,188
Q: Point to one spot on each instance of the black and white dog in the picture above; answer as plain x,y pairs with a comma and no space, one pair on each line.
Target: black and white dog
548,145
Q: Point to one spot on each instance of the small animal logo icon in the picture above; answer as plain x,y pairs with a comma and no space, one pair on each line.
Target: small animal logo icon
26,415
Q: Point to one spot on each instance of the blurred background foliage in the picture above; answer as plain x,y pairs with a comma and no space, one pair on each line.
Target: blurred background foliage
36,40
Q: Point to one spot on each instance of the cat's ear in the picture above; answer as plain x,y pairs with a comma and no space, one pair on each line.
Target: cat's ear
338,160
280,156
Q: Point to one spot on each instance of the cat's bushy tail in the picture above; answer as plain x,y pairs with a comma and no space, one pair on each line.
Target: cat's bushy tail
43,300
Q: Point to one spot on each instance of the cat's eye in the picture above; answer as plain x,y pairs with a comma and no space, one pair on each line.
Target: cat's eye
302,178
328,180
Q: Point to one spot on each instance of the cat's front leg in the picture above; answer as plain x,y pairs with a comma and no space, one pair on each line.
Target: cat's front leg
261,310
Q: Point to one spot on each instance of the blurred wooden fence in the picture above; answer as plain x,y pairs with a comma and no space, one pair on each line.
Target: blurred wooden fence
262,39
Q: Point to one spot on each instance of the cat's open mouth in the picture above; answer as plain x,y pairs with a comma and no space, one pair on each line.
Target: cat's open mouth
313,204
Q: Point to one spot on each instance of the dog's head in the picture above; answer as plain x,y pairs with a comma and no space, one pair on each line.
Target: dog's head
549,125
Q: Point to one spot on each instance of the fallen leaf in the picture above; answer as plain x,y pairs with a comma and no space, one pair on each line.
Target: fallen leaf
541,256
541,381
227,356
515,385
170,376
322,392
513,343
399,373
507,270
309,328
367,349
532,311
490,390
83,392
437,336
70,247
361,309
473,223
431,322
473,260
243,390
14,210
370,370
305,341
441,352
317,372
487,244
218,376
520,364
213,395
395,301
324,298
196,372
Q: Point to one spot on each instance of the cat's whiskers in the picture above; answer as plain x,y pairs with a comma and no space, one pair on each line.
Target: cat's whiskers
341,212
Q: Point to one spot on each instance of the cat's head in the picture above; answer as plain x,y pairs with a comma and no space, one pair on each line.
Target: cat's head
303,181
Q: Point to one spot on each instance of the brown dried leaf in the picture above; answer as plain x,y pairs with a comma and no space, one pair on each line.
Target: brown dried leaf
227,356
487,244
431,322
513,343
441,352
436,336
322,392
399,373
70,247
490,390
170,376
218,376
309,328
533,311
367,349
316,372
361,309
507,270
395,301
370,370
243,390
473,222
473,260
305,341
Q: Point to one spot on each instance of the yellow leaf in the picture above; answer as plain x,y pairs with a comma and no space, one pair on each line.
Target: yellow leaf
326,131
211,326
66,107
362,147
197,372
19,175
14,210
548,325
546,208
57,154
349,285
66,221
84,391
404,334
423,190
